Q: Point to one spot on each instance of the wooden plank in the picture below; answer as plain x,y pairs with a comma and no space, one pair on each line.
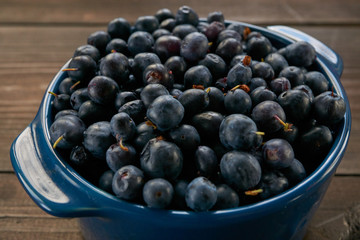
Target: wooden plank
257,11
37,60
20,216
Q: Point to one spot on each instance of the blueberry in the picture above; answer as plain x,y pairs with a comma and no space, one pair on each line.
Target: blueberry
140,42
216,100
294,75
197,75
227,33
91,112
215,16
167,46
258,47
168,24
301,54
78,97
67,86
240,170
182,30
178,67
272,183
194,47
128,182
105,181
306,89
215,64
163,14
264,115
212,31
206,161
60,102
263,70
151,91
157,73
329,108
115,66
261,94
226,197
207,124
141,61
295,173
103,90
277,62
296,104
81,68
98,138
158,193
99,39
200,194
86,165
136,110
144,132
161,159
317,82
279,85
88,50
146,23
237,27
194,101
186,137
119,28
237,101
238,131
159,33
278,153
238,75
242,59
186,15
228,48
119,155
316,141
179,194
66,132
124,97
122,126
66,112
117,45
165,112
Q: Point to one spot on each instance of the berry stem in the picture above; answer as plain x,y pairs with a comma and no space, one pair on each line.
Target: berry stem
198,87
126,149
254,192
287,126
69,69
150,123
52,93
57,141
260,133
241,86
74,85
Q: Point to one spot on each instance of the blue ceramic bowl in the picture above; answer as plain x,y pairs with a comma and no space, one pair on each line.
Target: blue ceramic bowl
62,192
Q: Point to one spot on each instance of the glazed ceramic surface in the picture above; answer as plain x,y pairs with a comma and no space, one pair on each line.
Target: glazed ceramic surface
60,191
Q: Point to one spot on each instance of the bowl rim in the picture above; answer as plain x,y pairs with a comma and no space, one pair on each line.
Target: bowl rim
325,170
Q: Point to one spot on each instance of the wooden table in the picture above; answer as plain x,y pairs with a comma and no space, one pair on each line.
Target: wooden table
37,37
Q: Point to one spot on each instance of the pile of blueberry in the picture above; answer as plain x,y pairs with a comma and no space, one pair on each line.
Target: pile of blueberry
177,113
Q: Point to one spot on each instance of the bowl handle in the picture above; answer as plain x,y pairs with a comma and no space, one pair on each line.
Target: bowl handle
332,60
55,192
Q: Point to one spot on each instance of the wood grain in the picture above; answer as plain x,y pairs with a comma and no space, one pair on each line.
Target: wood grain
37,37
91,12
21,217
